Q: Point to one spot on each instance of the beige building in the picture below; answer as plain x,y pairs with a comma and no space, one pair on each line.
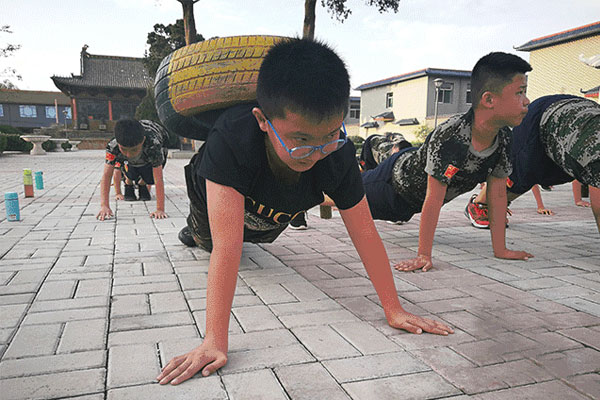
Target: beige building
564,63
406,103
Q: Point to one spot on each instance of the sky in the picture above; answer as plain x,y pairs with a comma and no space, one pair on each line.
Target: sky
448,34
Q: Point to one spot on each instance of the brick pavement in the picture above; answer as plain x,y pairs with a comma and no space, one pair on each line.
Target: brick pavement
92,310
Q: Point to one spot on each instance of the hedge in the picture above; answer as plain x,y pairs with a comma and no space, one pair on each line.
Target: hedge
15,143
3,141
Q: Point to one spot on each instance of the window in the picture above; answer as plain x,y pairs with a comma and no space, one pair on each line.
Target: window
50,112
389,100
68,112
468,99
445,95
27,112
355,113
1,111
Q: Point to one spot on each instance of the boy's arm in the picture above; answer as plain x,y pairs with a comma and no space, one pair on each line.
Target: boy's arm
595,200
367,242
434,200
540,203
157,172
226,218
496,195
105,211
117,177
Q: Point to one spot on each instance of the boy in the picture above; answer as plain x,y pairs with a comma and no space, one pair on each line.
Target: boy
263,164
139,147
455,157
558,141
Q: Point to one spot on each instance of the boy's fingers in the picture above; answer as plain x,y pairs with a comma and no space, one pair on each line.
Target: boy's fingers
215,365
190,371
171,365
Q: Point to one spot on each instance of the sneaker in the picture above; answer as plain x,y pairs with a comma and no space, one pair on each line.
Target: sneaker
477,214
299,223
129,194
143,192
185,237
395,222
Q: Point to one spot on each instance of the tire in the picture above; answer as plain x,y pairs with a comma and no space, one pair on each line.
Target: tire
196,83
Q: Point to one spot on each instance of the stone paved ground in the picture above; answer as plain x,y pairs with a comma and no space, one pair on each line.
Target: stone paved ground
92,310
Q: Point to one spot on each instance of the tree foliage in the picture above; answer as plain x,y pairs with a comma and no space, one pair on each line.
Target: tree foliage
339,10
162,42
8,72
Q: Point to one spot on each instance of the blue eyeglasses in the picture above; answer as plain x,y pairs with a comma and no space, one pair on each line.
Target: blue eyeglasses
301,152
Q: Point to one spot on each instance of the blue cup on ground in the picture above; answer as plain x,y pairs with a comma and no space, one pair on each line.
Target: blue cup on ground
11,202
39,180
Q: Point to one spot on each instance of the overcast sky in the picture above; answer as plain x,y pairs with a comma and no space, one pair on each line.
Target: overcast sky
451,34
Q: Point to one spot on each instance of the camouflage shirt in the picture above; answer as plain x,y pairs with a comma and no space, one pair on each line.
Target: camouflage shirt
154,149
570,134
448,156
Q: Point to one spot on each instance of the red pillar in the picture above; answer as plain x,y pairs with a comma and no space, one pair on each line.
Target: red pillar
74,111
110,110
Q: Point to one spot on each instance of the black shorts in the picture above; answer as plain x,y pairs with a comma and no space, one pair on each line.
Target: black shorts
531,165
136,173
383,200
198,222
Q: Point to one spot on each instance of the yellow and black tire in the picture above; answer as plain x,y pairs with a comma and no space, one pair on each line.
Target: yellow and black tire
196,83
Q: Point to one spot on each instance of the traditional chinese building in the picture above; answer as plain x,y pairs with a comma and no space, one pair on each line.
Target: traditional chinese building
107,89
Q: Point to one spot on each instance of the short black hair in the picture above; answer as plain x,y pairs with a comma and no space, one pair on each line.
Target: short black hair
304,76
493,72
129,132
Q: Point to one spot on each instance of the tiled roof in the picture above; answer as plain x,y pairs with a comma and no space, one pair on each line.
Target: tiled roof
384,116
407,121
571,34
369,125
416,74
33,97
591,93
107,72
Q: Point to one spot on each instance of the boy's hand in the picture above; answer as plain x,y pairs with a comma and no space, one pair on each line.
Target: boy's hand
183,367
545,211
158,214
513,255
583,203
119,196
104,213
415,324
420,261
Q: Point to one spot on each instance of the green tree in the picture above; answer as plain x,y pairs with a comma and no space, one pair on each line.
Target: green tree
8,72
339,10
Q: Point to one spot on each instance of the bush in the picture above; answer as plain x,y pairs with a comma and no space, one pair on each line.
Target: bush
147,110
3,141
49,145
66,146
15,143
10,130
421,132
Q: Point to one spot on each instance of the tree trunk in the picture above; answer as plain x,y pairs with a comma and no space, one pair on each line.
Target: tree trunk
189,23
309,19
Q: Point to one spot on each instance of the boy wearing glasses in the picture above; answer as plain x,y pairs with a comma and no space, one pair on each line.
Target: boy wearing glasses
262,165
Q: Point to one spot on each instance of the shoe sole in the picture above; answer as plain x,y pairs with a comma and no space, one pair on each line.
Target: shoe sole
299,228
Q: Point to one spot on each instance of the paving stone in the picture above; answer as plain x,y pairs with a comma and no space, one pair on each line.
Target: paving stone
11,314
266,358
210,387
34,341
545,390
83,335
68,304
583,335
317,318
325,343
50,317
59,385
426,385
132,365
374,366
253,385
150,321
52,364
570,362
588,384
153,335
256,318
56,290
125,305
167,302
365,338
294,379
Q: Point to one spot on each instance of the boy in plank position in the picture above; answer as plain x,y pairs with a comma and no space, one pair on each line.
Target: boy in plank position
455,157
139,150
558,141
265,163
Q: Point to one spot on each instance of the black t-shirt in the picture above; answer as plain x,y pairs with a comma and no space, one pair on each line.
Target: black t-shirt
235,155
